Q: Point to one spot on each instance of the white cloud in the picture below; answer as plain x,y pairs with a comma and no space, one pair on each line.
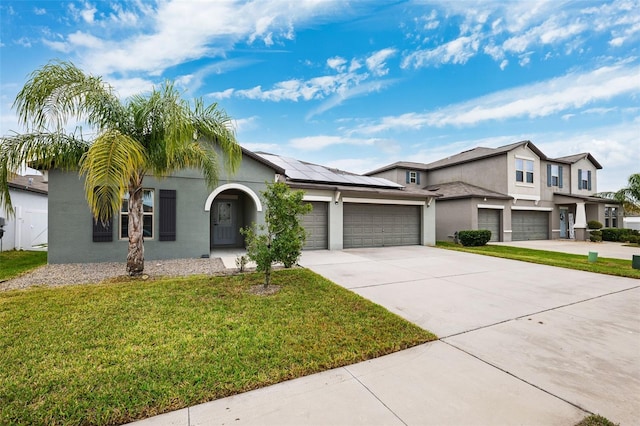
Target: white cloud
570,92
181,31
499,28
225,94
39,11
376,63
337,63
457,51
245,124
504,64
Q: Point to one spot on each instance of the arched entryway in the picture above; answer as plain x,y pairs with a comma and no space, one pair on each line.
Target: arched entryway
231,207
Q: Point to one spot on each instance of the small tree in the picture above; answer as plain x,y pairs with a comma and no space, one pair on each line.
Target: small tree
282,236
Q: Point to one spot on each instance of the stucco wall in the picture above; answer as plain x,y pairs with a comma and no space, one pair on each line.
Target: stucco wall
453,216
70,220
493,173
584,165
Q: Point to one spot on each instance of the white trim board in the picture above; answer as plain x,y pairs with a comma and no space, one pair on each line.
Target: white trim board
539,209
383,201
324,198
490,206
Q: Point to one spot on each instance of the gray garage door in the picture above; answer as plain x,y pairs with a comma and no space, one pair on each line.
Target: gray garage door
379,225
316,225
529,225
490,219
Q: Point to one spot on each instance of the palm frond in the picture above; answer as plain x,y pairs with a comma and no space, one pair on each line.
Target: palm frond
58,92
213,124
196,156
41,150
112,162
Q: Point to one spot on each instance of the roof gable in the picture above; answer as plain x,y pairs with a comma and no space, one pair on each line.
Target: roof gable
572,159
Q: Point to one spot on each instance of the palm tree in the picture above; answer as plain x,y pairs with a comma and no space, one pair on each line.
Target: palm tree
157,133
629,197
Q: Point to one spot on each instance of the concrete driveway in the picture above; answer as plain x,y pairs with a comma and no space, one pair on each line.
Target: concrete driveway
520,344
570,335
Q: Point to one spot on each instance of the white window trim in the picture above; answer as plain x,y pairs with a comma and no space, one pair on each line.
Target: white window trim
490,206
413,177
524,172
152,214
383,201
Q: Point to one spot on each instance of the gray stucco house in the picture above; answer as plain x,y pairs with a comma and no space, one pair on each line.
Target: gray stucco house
515,191
185,219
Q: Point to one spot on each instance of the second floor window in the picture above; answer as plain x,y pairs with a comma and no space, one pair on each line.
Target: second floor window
413,177
524,170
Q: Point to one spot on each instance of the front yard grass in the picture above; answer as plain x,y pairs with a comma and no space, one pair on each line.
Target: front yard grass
609,266
113,353
15,262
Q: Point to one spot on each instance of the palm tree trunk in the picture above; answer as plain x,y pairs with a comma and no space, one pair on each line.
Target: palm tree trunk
135,255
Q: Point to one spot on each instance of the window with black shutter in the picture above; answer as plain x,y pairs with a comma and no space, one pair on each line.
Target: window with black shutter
167,215
102,232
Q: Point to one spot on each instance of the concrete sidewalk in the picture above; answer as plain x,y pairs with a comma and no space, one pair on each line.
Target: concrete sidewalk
604,248
520,344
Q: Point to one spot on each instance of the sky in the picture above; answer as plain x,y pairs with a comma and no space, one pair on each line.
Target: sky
360,84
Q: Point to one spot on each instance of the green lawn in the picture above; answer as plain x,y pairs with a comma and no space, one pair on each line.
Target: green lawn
14,262
596,420
112,353
609,266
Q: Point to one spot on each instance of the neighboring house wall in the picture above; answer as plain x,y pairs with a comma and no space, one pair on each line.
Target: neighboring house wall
523,190
493,171
583,178
71,222
27,229
453,216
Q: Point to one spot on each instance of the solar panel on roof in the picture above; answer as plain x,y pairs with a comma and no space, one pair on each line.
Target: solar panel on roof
297,170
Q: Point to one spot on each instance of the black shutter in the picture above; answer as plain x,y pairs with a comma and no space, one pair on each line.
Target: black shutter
102,233
560,176
548,174
589,180
418,178
167,215
580,179
408,177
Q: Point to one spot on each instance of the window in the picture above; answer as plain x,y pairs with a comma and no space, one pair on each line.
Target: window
584,179
610,217
524,170
147,211
413,177
554,175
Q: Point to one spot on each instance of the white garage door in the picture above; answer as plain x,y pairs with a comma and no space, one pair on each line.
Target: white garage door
529,225
316,225
490,219
380,225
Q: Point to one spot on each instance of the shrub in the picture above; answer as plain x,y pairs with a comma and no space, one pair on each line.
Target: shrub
621,235
473,238
595,235
282,236
594,224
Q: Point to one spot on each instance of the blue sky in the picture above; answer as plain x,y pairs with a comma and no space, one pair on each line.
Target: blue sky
357,85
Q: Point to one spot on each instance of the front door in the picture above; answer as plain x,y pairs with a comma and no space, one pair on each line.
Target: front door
563,223
224,224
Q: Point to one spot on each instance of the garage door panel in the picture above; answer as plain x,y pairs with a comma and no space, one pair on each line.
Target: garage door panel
316,224
490,219
379,225
529,225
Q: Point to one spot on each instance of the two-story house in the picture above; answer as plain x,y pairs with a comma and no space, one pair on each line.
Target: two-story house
515,191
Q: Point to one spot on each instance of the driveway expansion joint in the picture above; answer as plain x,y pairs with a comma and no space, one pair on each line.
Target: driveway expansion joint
573,404
540,312
375,396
